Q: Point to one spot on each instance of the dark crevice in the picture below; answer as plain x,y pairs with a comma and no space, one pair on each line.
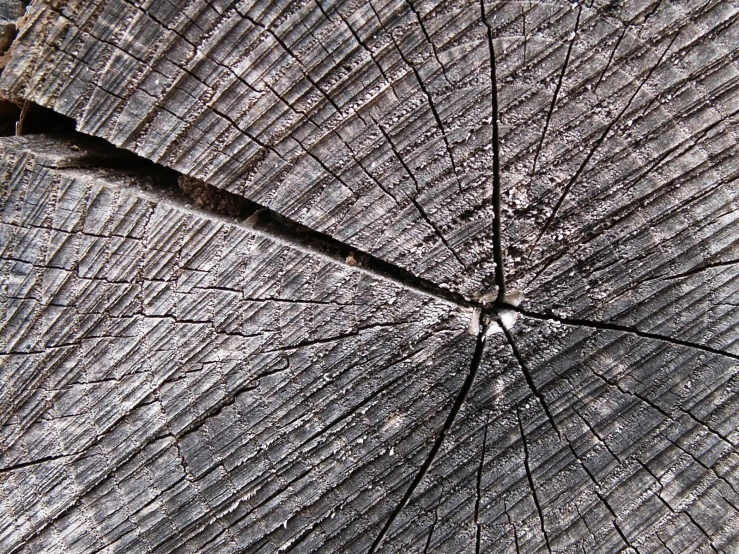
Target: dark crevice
288,230
27,118
530,479
606,326
497,234
599,142
215,199
458,402
479,489
92,152
556,90
96,153
529,379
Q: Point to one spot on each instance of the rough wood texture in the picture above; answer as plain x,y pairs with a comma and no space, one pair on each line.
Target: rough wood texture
175,380
160,361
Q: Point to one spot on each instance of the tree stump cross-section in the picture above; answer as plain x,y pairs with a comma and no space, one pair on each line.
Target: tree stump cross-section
395,276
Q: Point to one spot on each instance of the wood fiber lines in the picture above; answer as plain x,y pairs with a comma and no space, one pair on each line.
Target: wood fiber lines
323,357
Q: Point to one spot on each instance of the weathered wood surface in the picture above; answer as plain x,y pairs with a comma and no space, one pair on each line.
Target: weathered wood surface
174,380
160,361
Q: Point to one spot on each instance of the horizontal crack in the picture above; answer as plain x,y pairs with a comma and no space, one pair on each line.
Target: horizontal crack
100,154
607,326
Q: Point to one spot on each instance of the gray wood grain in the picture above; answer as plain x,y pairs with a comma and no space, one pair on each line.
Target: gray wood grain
174,380
166,371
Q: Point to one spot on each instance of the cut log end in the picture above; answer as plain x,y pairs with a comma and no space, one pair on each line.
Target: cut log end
369,278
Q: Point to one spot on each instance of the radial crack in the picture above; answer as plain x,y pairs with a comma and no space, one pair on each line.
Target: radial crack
414,200
458,402
607,326
615,521
433,524
596,434
513,525
356,37
610,58
529,380
599,495
557,89
428,39
523,64
671,509
31,463
304,70
530,479
599,142
479,488
497,234
697,269
429,100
